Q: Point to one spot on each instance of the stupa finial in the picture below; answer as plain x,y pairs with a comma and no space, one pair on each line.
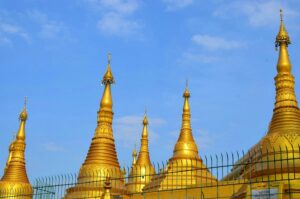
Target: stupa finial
108,77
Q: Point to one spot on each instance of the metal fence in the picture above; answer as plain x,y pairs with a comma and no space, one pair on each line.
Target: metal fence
258,174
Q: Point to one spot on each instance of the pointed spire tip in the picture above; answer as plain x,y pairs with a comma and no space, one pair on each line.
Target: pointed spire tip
187,83
134,153
23,115
145,120
134,149
108,58
186,93
25,102
108,77
282,36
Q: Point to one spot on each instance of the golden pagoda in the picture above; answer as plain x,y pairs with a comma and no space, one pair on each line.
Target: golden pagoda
142,169
102,158
282,140
14,181
185,168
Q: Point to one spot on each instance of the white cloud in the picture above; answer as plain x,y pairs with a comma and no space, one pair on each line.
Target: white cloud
134,120
215,43
118,25
211,44
258,12
177,4
9,30
117,17
189,57
48,28
52,147
128,130
120,6
51,29
204,139
5,40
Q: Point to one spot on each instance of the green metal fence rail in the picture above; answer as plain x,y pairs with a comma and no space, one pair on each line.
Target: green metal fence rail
272,168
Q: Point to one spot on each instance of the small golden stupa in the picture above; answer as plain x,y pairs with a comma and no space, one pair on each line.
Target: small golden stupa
134,156
102,158
14,181
142,169
185,168
107,188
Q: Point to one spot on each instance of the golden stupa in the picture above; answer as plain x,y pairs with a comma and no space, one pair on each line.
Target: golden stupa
284,129
142,169
282,140
102,158
14,182
185,161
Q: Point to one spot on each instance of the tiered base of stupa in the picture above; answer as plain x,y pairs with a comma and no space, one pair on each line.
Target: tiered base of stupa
181,173
90,183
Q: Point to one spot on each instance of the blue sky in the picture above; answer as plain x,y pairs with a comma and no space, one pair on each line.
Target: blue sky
55,52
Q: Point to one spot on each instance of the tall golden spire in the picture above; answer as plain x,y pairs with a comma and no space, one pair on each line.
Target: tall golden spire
108,79
285,95
102,157
286,112
15,172
102,151
186,146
